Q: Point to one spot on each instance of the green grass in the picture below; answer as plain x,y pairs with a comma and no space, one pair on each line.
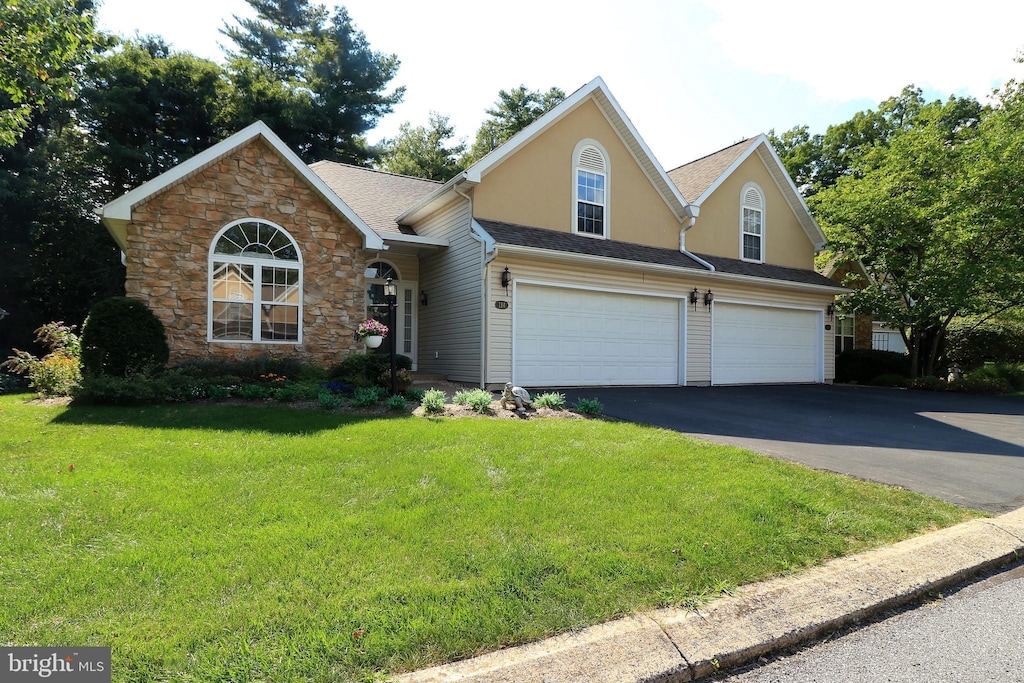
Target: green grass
211,543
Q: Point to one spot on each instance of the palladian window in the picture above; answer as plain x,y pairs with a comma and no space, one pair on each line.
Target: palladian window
255,284
591,191
752,224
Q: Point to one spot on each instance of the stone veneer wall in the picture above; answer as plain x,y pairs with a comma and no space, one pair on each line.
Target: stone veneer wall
169,240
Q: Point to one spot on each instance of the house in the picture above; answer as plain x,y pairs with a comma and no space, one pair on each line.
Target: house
566,257
859,330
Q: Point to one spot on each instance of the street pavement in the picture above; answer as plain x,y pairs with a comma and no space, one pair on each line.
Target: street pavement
965,449
972,635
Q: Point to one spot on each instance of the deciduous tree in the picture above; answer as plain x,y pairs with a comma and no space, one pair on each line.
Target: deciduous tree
423,151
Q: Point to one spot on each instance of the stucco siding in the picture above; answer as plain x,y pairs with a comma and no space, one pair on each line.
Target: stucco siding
717,230
450,325
536,185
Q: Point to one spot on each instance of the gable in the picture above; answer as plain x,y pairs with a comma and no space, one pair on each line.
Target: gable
535,185
717,231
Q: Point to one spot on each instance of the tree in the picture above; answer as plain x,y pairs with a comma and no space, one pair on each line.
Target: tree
311,76
513,111
43,43
919,210
422,151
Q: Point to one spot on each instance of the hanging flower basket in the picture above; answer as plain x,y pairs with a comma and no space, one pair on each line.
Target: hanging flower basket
372,332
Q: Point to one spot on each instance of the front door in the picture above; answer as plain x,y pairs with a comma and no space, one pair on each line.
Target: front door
376,307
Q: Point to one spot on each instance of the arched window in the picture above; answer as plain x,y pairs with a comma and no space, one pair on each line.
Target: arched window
752,223
590,166
377,274
255,284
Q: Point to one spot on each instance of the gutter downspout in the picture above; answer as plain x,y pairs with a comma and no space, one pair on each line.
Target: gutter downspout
682,240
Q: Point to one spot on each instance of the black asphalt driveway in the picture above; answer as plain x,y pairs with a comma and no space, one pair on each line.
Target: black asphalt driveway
968,450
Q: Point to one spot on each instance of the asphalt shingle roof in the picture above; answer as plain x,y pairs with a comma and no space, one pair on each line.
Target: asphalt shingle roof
695,177
542,238
377,197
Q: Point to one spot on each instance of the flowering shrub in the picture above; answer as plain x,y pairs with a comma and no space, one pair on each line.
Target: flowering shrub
59,372
370,328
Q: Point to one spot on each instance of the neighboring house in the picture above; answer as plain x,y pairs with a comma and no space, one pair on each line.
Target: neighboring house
565,257
858,330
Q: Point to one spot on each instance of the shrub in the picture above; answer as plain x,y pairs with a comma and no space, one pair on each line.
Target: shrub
433,401
889,380
217,392
122,337
254,391
337,387
1011,374
970,385
367,369
552,400
133,390
414,395
998,340
367,396
285,394
397,403
477,399
9,384
251,370
329,401
58,373
589,406
863,365
929,383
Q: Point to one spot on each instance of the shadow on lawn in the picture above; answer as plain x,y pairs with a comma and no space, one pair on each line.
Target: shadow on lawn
272,419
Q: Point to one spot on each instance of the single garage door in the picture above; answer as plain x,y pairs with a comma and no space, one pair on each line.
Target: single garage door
573,337
765,345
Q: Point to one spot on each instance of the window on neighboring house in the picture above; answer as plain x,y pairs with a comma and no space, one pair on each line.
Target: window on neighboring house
844,334
591,191
255,284
752,223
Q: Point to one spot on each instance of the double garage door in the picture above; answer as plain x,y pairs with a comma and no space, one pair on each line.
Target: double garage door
574,337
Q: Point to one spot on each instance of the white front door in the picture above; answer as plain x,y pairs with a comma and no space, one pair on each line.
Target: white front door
405,311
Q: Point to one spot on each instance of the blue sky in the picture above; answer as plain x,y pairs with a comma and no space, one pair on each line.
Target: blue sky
694,76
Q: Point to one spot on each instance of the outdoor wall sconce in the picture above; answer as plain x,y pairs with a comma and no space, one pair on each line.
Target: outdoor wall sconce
831,310
423,298
694,295
506,278
708,298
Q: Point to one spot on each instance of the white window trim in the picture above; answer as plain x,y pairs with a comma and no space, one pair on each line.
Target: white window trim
257,309
590,142
764,222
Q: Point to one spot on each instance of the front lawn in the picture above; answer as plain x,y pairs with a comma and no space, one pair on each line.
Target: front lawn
214,543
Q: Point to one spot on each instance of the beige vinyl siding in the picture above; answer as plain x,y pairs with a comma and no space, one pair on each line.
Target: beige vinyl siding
697,323
408,265
450,324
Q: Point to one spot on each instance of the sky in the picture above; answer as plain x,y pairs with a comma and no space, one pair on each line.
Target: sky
694,76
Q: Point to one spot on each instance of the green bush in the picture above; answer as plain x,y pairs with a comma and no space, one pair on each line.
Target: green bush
252,369
589,406
477,399
414,395
135,389
122,337
367,396
58,373
433,401
552,400
9,384
1011,374
863,365
328,400
366,369
218,392
889,380
255,391
397,403
970,385
929,383
997,340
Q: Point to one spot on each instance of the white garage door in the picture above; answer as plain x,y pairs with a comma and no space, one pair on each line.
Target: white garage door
762,345
572,337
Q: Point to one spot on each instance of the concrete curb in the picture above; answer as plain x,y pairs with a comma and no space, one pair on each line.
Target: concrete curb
683,645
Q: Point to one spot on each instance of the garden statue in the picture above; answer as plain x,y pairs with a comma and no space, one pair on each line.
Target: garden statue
517,396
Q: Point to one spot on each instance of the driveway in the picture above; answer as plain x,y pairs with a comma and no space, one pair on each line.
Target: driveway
968,450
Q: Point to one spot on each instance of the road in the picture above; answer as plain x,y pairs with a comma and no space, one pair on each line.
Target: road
972,635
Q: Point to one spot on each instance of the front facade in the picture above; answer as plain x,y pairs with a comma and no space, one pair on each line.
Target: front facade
566,257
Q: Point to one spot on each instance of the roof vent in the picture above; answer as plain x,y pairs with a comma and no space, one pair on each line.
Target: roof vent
591,159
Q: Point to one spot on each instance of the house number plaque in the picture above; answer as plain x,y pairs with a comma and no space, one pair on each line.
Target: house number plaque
501,305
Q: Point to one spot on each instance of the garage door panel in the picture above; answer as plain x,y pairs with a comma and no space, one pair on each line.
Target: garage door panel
761,344
577,338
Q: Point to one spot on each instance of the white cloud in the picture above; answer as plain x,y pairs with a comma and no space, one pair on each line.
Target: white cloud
871,49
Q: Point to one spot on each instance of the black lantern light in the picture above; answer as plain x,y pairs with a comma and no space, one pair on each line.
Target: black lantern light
831,310
708,298
391,297
423,298
694,295
506,278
